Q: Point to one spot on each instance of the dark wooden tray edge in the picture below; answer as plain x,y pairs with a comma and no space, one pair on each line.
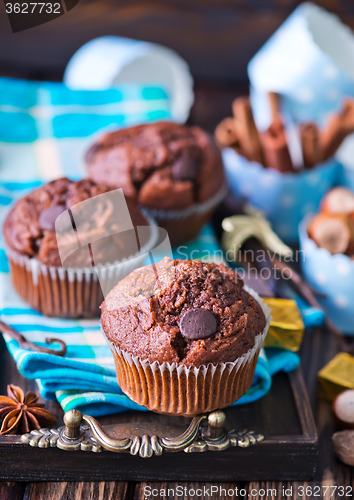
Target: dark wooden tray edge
284,457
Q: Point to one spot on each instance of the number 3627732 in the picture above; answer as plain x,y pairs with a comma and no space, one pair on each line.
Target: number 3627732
33,7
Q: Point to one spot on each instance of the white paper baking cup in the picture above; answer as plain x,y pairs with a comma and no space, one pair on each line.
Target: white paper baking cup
107,61
284,198
345,156
309,60
332,276
185,224
179,390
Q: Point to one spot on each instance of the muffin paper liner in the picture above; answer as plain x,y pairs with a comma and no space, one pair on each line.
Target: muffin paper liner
101,64
308,60
183,225
71,292
284,198
333,277
179,390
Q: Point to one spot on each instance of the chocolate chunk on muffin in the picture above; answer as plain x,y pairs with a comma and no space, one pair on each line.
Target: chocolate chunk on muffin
81,216
184,318
174,170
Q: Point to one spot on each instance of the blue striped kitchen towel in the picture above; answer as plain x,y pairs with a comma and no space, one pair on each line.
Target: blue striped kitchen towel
44,131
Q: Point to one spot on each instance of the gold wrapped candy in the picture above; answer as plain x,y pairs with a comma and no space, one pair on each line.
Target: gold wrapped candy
286,327
336,376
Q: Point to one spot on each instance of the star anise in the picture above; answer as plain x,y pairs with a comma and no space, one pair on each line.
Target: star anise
22,413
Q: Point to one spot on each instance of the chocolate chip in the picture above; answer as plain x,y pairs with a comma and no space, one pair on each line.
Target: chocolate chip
185,169
198,324
48,217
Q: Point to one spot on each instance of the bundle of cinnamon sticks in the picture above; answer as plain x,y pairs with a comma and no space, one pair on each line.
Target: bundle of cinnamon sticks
270,148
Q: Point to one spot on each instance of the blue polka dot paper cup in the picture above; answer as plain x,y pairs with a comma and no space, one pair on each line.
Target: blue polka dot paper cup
309,60
332,276
345,156
284,198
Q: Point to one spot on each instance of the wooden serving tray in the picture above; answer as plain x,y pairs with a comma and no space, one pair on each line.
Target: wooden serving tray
284,416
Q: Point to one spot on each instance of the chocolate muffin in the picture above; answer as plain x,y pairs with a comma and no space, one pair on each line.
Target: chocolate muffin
185,335
174,171
62,236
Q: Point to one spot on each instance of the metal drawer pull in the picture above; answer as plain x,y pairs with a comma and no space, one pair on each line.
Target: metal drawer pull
83,432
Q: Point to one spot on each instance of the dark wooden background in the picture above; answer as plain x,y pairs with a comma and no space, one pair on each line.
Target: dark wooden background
216,37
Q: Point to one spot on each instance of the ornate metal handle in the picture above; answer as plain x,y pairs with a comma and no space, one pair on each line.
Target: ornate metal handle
91,436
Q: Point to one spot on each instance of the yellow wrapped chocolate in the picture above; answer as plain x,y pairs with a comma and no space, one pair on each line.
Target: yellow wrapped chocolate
336,376
286,327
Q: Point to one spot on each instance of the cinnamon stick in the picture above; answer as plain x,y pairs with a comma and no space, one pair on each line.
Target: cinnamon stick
311,145
274,107
226,136
247,130
339,200
275,148
339,126
334,232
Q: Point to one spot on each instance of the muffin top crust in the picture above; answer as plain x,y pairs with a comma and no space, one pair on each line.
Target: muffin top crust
183,311
31,227
164,165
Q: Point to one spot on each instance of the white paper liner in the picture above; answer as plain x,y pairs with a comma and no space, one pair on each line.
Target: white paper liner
207,371
197,208
109,61
309,60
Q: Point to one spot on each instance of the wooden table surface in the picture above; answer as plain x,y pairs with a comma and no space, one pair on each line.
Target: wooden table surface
212,103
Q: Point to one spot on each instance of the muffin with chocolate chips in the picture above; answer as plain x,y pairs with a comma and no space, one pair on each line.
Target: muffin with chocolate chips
174,171
62,237
185,335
